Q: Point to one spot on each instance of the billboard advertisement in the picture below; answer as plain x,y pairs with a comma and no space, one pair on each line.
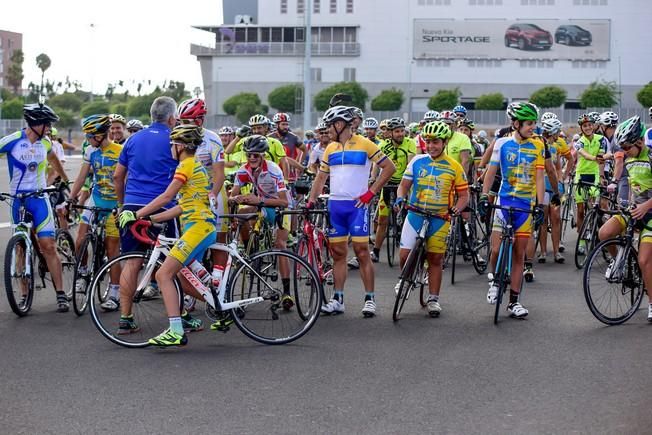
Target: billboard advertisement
512,39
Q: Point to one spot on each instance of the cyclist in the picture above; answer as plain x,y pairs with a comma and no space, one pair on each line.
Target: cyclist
520,158
28,153
211,155
630,137
192,185
413,130
370,126
268,192
459,111
648,133
59,198
384,132
317,150
590,167
347,160
294,147
100,160
459,146
400,150
609,122
429,116
144,171
134,126
118,126
465,126
433,178
358,119
233,161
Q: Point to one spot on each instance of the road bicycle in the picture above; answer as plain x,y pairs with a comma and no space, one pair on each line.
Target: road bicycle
587,238
248,295
612,282
24,260
394,224
568,212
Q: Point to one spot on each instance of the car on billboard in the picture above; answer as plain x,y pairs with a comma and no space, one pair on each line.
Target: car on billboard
571,34
528,36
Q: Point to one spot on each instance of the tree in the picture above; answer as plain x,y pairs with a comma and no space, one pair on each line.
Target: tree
358,94
121,108
43,62
94,107
444,99
232,103
66,118
67,101
139,107
12,109
284,98
176,90
644,96
15,71
246,109
495,101
599,94
548,96
388,99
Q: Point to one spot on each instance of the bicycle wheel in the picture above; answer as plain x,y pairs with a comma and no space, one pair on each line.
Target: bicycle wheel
424,290
480,246
408,278
502,276
613,296
455,233
66,251
390,241
324,258
584,238
19,275
150,315
82,275
266,321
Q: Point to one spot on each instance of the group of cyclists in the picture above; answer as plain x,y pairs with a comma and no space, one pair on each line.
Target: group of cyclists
177,171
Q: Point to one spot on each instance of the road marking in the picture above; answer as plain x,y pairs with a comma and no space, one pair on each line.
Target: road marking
5,224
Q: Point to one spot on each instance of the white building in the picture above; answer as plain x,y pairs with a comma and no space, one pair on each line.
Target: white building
422,46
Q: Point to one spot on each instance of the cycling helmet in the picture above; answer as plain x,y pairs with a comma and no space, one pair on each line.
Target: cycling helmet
338,113
609,119
649,112
226,130
116,117
370,123
395,122
190,135
447,116
258,120
522,111
551,126
459,109
630,131
548,115
243,131
134,124
192,109
357,113
595,117
482,134
584,117
54,133
321,125
256,144
96,124
466,123
383,124
413,127
310,134
281,117
338,99
431,115
38,114
436,130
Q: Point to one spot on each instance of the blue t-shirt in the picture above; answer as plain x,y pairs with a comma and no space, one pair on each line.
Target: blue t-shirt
149,163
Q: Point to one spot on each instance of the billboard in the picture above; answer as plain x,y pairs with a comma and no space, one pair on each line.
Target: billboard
512,39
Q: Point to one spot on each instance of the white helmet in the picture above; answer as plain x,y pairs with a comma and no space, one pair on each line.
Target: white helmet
431,115
551,126
370,123
609,119
338,113
226,130
548,115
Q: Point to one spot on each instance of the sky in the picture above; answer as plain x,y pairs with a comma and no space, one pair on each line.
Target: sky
130,40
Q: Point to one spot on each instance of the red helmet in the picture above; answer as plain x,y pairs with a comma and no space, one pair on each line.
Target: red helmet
192,109
281,117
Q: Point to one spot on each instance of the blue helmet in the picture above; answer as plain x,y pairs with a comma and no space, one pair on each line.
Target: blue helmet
459,109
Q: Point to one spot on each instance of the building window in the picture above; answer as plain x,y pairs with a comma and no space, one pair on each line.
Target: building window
484,63
436,63
315,74
536,63
284,6
333,6
277,34
349,74
301,6
316,6
349,6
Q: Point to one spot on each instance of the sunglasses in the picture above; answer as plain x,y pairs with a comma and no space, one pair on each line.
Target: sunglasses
253,155
626,147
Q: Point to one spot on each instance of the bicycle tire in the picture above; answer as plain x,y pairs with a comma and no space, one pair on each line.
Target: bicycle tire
454,232
480,245
408,279
580,259
390,240
66,250
267,312
631,283
27,279
106,322
501,272
83,275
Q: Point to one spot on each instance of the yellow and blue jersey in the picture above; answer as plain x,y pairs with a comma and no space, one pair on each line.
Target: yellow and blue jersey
519,163
193,195
103,162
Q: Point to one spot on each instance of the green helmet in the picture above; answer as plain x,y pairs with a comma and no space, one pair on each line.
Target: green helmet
436,130
630,131
522,111
414,127
96,124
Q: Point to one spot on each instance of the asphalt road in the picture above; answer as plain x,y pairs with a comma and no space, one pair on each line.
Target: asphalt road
559,371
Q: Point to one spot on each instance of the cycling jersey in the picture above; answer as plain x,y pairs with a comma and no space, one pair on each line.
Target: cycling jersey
103,161
275,153
290,142
519,163
193,195
27,161
640,175
58,150
316,154
596,145
648,138
348,166
434,182
268,181
399,154
210,151
456,144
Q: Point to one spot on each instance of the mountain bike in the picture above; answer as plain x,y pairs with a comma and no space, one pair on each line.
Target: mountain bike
248,294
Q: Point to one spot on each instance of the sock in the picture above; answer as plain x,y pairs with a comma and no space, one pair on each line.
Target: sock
176,325
528,264
114,291
186,315
339,295
286,285
60,292
433,298
369,296
130,316
513,297
377,252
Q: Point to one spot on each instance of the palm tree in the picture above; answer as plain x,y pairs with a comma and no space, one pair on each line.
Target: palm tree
43,62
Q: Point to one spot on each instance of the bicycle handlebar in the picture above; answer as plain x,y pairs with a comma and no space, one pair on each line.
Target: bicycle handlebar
97,209
22,196
141,231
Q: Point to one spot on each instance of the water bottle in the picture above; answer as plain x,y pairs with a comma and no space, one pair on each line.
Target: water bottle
200,271
218,273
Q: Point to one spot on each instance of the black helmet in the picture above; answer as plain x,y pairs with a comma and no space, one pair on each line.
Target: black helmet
255,144
39,114
395,122
338,99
